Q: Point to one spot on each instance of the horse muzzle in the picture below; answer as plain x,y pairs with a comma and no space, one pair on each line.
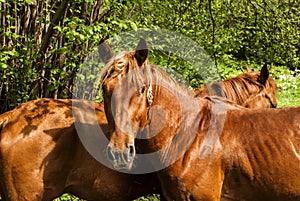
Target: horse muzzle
121,159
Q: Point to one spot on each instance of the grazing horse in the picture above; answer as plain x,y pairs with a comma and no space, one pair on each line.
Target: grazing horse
41,155
250,89
204,145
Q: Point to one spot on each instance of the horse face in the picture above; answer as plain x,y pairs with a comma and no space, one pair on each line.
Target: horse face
125,103
270,91
264,90
261,100
129,111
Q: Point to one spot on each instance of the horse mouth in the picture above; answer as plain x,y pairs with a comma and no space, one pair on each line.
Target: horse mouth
121,166
121,160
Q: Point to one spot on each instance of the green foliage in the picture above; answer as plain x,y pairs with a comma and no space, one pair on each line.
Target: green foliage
259,31
68,197
40,56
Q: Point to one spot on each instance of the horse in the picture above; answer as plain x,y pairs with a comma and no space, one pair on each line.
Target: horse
249,89
42,157
203,145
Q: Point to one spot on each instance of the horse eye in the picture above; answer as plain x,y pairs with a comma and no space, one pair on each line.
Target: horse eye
142,90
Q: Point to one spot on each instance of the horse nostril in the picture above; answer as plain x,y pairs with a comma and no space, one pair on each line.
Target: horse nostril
273,105
131,152
110,153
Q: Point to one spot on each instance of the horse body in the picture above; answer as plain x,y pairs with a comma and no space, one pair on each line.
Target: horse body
265,151
211,150
42,156
252,160
257,157
253,151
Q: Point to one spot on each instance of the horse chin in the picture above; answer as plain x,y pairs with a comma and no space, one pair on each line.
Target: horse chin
123,166
121,160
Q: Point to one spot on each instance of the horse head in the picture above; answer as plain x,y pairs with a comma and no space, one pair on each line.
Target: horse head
123,81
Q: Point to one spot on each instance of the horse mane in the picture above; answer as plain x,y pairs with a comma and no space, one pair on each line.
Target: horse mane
238,88
109,67
146,74
221,101
4,119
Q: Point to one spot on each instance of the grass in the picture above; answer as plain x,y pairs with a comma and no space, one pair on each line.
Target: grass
289,86
288,98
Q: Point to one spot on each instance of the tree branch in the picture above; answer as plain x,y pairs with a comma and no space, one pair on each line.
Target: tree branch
55,20
213,29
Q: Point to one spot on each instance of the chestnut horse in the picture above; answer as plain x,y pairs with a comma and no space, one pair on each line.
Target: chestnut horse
250,89
41,155
201,150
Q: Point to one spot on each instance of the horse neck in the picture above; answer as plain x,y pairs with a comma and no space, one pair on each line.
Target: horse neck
165,113
175,130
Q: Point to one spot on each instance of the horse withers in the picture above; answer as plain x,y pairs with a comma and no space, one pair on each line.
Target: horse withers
202,142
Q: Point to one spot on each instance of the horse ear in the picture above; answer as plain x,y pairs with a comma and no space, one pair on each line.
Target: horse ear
141,52
248,69
104,51
264,74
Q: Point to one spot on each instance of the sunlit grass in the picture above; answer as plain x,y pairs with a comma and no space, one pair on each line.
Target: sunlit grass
288,83
288,98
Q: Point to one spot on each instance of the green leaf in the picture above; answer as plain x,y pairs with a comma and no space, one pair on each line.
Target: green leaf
133,26
3,66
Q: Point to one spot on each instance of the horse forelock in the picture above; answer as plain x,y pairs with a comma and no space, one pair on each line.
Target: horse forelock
117,63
